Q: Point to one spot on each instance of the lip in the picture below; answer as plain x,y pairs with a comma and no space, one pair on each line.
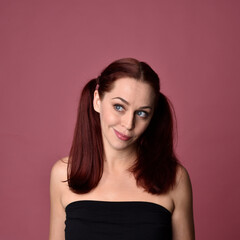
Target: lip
121,136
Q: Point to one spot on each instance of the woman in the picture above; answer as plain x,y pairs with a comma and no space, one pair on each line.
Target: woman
122,179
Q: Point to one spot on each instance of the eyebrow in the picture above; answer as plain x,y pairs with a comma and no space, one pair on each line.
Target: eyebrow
126,102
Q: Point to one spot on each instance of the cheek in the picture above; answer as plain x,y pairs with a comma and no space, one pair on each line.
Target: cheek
107,116
107,119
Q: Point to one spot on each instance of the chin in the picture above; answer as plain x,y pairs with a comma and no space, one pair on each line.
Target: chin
124,146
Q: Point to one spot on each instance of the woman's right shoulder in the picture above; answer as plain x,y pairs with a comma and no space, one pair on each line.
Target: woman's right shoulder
59,170
57,189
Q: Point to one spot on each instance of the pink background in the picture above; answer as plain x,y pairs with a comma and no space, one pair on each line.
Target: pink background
50,49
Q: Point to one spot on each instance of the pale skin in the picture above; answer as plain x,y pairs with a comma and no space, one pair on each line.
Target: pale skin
128,109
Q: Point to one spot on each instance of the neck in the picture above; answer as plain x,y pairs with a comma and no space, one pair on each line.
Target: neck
119,161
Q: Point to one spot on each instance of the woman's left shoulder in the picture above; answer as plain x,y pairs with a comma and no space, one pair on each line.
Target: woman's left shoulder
182,175
182,190
182,217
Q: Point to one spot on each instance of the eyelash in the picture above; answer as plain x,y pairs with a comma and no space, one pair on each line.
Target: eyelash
118,105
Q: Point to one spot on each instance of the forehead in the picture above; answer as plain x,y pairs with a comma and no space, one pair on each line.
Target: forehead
133,91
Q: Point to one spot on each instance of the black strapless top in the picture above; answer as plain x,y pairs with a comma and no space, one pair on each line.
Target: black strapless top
91,220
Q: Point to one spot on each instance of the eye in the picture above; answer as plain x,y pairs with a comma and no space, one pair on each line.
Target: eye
118,107
142,114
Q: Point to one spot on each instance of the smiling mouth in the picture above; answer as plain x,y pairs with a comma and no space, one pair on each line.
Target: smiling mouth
121,136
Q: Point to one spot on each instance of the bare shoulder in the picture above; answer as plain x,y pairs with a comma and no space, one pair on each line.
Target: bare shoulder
182,218
59,171
182,191
59,168
182,178
57,186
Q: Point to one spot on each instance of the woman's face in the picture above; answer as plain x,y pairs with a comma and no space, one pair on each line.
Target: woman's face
125,112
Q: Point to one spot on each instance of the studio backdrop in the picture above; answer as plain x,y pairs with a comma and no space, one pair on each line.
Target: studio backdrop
50,48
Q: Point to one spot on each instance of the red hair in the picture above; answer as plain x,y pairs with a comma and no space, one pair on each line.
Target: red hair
156,164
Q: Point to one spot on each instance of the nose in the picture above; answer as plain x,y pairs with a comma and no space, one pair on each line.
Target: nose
128,121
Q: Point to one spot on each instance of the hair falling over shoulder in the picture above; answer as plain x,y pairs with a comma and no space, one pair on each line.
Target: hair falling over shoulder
156,164
85,164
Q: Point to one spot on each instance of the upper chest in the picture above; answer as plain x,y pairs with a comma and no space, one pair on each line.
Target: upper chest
118,188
